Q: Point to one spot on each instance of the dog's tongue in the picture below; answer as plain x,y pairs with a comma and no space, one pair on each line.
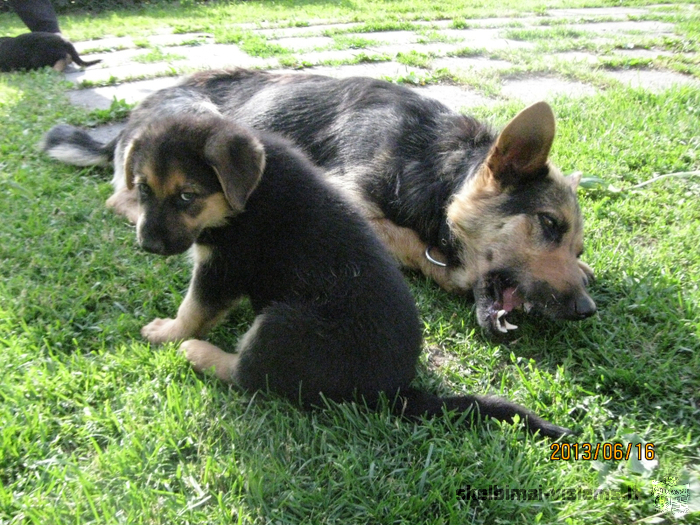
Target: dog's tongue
511,299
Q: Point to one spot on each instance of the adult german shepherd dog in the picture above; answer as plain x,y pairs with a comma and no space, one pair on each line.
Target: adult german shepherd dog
476,211
334,316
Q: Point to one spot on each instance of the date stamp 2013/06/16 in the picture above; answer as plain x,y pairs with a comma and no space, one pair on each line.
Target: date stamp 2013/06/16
601,451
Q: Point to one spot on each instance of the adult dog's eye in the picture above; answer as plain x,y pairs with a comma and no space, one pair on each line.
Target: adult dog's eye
550,226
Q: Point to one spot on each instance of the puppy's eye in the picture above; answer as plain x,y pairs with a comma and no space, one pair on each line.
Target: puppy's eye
144,190
187,196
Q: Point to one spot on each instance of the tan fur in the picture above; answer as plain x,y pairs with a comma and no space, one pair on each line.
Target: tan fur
510,241
206,357
409,250
125,202
62,64
192,320
216,211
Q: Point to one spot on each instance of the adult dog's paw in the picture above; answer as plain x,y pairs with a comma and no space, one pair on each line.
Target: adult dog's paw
587,271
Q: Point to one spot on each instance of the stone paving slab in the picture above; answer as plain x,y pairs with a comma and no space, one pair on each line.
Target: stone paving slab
456,98
597,12
102,97
654,81
297,43
463,64
649,28
534,89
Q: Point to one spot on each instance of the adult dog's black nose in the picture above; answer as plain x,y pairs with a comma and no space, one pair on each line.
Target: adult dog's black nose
584,306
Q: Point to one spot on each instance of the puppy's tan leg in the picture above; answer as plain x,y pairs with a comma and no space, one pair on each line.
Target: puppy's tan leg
205,356
193,320
60,65
125,202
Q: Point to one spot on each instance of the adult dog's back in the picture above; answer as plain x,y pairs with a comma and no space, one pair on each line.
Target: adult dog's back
475,210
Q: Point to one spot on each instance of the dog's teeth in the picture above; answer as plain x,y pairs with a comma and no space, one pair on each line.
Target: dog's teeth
509,326
527,307
500,314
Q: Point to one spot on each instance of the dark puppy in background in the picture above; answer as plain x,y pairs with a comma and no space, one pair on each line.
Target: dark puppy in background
334,317
37,50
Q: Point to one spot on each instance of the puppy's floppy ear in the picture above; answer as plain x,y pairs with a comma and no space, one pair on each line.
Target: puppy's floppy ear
522,148
238,158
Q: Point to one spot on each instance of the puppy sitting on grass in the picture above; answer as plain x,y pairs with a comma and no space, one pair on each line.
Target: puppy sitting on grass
334,316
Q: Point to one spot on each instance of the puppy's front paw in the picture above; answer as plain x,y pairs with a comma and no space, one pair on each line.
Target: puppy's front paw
164,331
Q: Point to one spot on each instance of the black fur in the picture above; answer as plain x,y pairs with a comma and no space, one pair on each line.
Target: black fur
37,50
404,158
340,123
338,318
335,318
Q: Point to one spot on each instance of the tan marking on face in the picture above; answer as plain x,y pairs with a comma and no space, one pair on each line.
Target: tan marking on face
214,213
175,182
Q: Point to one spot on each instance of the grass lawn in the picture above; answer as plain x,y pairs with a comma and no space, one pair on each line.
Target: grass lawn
97,427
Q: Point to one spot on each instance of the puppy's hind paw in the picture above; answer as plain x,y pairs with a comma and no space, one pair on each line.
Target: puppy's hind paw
205,356
164,331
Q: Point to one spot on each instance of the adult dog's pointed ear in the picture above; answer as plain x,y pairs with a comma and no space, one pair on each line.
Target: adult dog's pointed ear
238,158
522,148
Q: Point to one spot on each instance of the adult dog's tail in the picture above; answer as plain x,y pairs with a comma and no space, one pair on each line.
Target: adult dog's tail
75,146
414,403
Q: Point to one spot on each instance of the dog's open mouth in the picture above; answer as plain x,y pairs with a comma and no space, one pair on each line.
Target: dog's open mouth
495,299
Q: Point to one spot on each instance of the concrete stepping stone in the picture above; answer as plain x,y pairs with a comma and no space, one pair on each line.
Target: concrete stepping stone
469,63
531,90
598,12
454,97
131,92
303,44
180,39
434,48
344,55
654,81
643,53
290,32
210,56
373,70
120,73
622,28
107,43
488,39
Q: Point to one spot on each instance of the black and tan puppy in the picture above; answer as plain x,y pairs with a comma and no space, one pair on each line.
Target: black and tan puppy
333,314
477,211
37,50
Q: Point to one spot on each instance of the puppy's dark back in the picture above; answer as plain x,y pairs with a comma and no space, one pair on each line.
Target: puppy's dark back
304,255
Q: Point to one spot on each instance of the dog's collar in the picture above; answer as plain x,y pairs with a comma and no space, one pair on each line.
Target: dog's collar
445,242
